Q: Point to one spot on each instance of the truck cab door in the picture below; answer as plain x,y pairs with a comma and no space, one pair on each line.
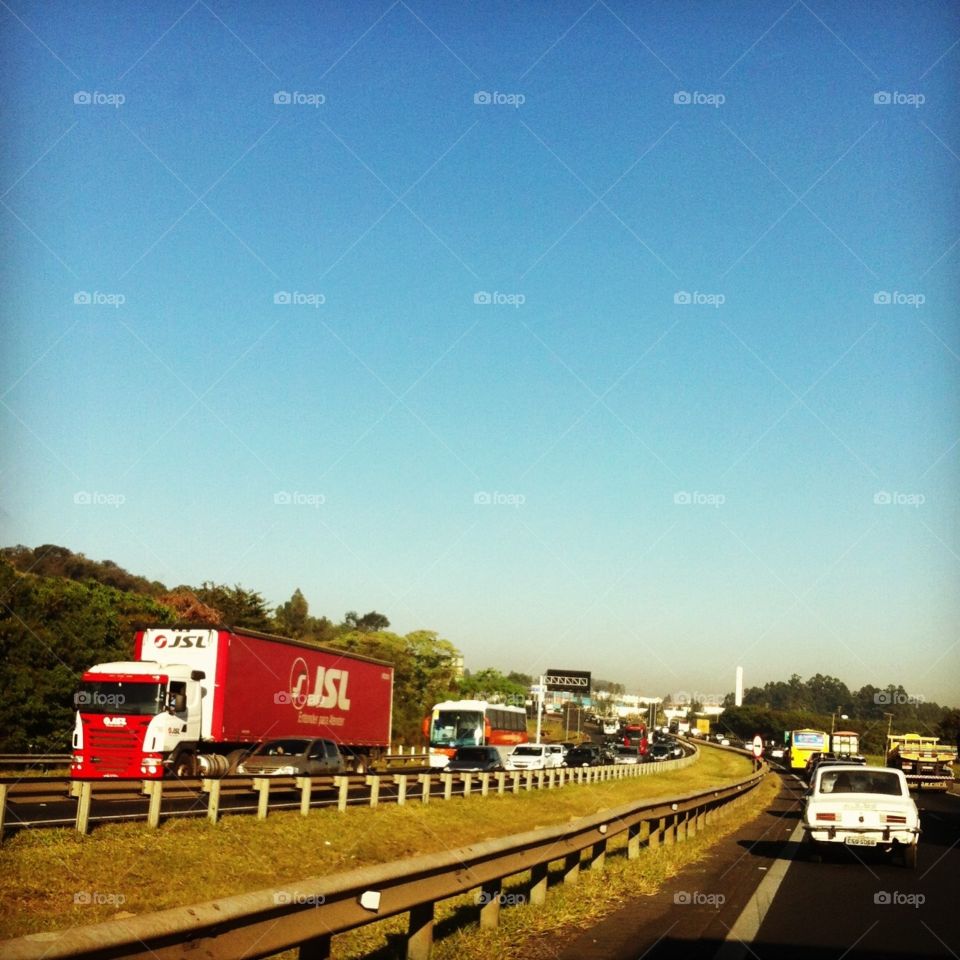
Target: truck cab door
184,697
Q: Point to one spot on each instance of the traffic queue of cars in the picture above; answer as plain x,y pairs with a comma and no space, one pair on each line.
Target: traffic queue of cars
303,756
547,756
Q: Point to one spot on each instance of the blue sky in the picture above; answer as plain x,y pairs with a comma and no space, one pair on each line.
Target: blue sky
621,337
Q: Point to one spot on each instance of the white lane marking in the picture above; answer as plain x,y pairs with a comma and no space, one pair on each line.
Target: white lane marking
751,917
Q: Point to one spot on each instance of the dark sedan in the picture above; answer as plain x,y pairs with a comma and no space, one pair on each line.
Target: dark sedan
476,760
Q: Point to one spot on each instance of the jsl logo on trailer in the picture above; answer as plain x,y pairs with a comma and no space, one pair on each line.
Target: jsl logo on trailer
329,688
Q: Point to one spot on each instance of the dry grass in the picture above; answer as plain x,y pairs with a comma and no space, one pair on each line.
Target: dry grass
128,867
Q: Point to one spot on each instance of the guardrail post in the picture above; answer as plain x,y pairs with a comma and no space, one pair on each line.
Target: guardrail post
490,905
528,780
420,932
633,840
3,806
154,790
447,780
561,777
374,784
316,949
85,795
425,779
538,884
539,777
551,777
467,784
400,779
343,786
306,788
670,830
501,780
692,816
656,832
212,787
515,778
571,867
598,854
484,784
262,786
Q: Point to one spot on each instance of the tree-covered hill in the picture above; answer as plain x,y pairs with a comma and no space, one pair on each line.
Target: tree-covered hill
61,612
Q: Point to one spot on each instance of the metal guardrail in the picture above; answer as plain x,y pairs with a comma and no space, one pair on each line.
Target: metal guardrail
35,759
309,913
344,790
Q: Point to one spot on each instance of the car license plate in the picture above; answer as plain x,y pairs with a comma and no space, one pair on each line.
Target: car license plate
861,841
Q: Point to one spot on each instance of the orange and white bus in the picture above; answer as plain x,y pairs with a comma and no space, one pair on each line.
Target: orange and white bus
472,723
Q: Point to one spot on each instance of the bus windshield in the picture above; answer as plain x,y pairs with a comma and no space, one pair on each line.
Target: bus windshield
457,728
137,699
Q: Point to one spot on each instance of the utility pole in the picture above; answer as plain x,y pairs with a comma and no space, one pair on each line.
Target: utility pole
539,706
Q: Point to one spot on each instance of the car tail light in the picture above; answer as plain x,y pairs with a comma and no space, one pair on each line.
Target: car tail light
826,816
893,818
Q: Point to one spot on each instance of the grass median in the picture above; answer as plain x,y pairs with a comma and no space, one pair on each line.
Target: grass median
52,879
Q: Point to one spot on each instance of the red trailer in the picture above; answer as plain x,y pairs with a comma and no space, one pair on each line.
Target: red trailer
197,698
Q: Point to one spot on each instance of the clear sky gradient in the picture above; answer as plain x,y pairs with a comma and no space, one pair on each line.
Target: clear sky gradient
620,337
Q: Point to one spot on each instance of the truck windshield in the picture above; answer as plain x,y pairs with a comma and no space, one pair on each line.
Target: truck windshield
457,728
133,699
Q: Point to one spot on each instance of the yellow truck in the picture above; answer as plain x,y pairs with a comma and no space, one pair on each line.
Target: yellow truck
925,762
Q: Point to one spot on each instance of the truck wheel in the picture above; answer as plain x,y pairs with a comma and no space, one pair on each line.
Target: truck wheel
186,766
234,759
910,857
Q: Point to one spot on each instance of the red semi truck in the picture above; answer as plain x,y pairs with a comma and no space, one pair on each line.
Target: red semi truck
196,699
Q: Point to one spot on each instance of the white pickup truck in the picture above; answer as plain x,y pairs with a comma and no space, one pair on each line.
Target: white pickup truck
859,807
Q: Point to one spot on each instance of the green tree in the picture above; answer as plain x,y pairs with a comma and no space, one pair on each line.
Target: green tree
51,630
292,618
237,606
490,684
369,623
